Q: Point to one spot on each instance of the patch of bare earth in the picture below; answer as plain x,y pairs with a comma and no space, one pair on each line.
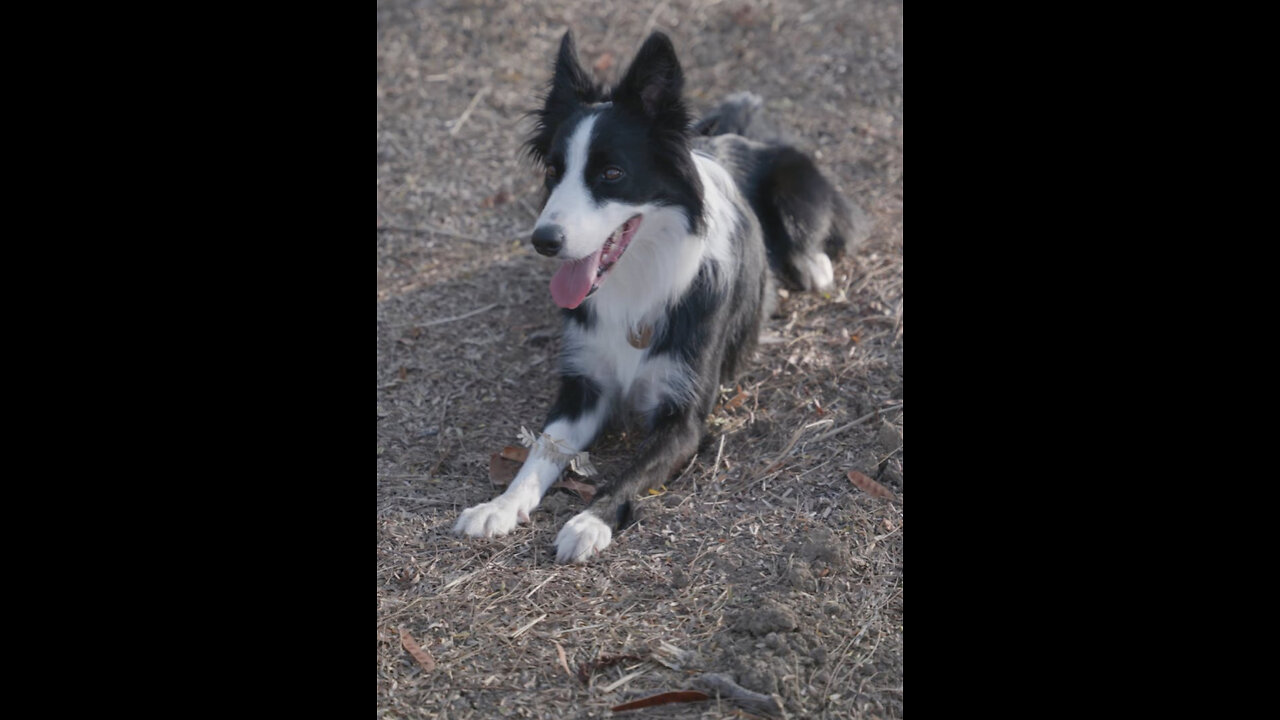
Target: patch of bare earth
762,567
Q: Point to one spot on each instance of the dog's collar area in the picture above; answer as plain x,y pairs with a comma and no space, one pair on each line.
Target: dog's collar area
642,338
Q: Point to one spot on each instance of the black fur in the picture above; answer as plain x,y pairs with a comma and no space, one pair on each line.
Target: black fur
800,211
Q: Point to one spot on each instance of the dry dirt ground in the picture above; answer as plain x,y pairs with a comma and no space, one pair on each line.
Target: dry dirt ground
761,561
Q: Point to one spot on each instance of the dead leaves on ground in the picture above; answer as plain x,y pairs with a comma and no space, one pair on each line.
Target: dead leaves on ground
505,465
423,657
663,699
564,663
734,402
869,486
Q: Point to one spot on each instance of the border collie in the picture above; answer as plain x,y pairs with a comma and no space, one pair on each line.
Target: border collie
666,232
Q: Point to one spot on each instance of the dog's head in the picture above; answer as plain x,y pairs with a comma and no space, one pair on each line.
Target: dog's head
617,162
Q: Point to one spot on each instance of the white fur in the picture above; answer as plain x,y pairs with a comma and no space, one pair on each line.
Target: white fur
580,538
820,270
661,378
500,515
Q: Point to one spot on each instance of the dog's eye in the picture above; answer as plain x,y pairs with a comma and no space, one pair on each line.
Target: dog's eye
612,173
551,172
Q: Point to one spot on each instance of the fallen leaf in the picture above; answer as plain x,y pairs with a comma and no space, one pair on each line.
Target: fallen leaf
564,663
519,454
663,699
501,470
737,400
422,656
585,491
495,200
604,62
869,486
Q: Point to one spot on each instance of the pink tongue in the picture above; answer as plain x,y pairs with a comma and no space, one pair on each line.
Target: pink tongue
573,281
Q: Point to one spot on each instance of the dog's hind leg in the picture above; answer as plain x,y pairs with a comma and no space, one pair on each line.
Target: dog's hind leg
673,441
806,222
575,419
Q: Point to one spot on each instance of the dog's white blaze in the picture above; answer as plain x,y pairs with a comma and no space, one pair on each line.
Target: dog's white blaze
586,225
500,515
580,538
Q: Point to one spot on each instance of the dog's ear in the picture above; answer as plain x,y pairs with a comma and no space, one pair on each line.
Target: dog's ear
570,78
570,87
653,83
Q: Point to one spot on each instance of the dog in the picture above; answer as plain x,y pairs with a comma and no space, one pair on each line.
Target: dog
666,232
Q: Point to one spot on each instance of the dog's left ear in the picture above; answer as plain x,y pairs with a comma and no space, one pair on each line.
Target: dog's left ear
654,80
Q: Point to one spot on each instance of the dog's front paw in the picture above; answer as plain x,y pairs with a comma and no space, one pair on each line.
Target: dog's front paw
490,519
580,538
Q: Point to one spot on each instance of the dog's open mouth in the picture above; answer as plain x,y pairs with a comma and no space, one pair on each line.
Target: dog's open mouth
576,280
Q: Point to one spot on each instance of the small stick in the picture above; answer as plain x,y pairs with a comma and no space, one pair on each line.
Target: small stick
622,681
524,204
520,632
716,467
429,228
457,125
653,19
726,688
860,420
551,577
463,316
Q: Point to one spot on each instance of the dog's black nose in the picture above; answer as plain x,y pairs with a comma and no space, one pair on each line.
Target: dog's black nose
548,239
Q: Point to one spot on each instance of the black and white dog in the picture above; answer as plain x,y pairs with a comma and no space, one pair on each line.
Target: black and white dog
666,232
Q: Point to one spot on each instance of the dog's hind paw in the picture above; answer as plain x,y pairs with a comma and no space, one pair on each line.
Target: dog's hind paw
580,538
491,519
821,273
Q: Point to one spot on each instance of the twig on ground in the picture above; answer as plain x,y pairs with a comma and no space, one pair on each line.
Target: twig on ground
463,316
622,681
457,125
728,689
715,468
653,19
521,631
430,228
860,420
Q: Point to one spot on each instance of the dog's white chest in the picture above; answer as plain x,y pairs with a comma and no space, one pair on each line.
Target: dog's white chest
638,377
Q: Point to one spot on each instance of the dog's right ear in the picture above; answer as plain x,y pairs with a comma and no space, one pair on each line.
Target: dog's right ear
570,88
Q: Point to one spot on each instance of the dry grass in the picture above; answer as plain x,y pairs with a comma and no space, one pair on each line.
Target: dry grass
761,561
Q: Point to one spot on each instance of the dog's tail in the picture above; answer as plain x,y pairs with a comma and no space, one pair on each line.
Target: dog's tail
807,224
741,113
